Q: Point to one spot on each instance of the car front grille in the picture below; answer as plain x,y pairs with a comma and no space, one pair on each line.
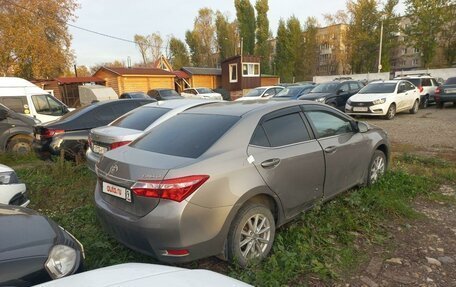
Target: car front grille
361,104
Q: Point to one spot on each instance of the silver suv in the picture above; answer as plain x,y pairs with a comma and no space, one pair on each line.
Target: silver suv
220,178
426,85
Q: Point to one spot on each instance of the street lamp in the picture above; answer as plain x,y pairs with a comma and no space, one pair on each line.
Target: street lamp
380,49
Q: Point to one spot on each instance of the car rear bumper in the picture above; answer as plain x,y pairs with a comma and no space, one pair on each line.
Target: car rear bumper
445,98
91,159
170,226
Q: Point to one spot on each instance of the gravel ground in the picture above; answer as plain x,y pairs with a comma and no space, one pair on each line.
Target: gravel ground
430,129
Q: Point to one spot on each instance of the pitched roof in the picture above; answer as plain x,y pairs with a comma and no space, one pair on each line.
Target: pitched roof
202,71
72,80
181,74
138,71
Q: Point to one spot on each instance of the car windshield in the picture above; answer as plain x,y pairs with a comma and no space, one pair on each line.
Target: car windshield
141,118
450,81
186,135
138,95
169,93
289,92
204,91
378,88
255,92
325,88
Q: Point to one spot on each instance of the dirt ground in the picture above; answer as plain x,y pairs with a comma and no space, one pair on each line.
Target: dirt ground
420,252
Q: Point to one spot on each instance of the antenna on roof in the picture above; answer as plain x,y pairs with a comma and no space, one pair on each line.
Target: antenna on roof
128,62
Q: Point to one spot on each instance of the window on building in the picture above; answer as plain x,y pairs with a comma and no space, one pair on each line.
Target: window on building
251,69
233,73
415,62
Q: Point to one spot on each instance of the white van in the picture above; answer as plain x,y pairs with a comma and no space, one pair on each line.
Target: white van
24,97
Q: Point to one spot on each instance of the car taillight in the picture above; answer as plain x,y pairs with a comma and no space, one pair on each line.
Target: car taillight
176,252
176,189
49,133
420,88
118,144
438,91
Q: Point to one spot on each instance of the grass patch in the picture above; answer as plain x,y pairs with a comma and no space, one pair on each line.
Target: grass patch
325,242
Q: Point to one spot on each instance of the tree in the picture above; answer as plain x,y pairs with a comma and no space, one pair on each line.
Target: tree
201,40
113,64
428,18
246,18
35,41
340,17
296,46
156,46
363,35
311,51
82,71
142,42
283,65
448,37
192,40
179,56
263,46
226,35
390,28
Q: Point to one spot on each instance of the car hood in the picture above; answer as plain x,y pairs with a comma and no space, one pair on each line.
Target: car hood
25,233
314,96
249,98
4,168
368,97
110,134
137,274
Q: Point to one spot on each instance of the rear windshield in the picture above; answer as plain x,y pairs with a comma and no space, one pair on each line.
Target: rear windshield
186,135
416,82
289,92
378,88
140,119
325,88
169,93
451,81
204,91
255,93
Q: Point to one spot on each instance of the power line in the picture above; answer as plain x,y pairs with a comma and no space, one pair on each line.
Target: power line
85,29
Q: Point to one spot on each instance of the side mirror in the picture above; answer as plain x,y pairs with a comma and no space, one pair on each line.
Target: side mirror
341,92
362,127
3,115
266,95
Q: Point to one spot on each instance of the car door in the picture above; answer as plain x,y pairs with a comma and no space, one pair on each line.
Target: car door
402,96
346,150
411,95
343,94
5,126
290,160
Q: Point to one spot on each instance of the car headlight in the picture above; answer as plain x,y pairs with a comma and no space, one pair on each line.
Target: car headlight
320,100
61,261
349,102
8,177
379,101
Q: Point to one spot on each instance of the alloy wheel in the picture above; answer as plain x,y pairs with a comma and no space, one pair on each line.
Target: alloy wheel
377,169
255,236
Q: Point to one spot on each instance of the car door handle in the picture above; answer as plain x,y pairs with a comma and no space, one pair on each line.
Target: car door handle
270,163
330,149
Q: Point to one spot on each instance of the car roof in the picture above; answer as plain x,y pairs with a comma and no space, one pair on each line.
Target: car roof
161,89
387,81
240,108
178,103
268,87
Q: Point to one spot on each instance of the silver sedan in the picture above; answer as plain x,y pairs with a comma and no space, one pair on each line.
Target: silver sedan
219,179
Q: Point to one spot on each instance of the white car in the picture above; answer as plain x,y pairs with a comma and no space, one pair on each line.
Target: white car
11,190
261,93
140,274
425,84
384,98
201,93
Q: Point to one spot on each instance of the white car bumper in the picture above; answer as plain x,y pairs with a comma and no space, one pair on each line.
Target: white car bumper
14,193
374,110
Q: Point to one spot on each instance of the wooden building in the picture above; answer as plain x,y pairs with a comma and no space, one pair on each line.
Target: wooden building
204,77
240,74
135,79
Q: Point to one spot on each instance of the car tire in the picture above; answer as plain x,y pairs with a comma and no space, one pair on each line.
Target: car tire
247,244
377,167
440,105
20,144
391,112
425,102
414,109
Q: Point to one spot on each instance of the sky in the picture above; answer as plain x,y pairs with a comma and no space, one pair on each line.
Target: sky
124,19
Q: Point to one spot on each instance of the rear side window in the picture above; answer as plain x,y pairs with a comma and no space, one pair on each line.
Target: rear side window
140,118
259,137
449,81
186,135
354,86
17,104
426,82
285,130
416,82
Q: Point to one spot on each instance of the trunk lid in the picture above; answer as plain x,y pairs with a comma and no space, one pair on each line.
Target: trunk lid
105,136
124,166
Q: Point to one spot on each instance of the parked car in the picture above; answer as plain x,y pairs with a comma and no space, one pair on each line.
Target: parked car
12,191
294,92
140,274
134,95
24,97
218,179
16,131
164,94
446,93
385,98
261,93
130,126
201,93
34,249
70,133
426,86
334,94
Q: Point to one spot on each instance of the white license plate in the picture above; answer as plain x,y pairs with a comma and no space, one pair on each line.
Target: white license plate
360,109
99,149
450,90
117,191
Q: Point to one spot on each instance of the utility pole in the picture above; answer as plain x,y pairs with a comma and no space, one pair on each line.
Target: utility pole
380,50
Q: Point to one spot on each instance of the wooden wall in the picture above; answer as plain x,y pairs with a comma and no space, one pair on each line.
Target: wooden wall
206,81
269,81
110,78
144,83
